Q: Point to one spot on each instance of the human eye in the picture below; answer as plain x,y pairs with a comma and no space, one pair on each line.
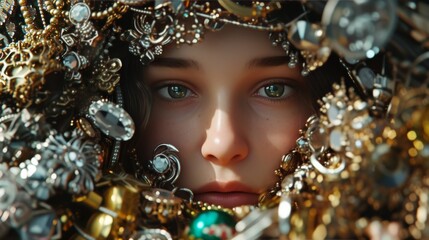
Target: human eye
175,92
274,91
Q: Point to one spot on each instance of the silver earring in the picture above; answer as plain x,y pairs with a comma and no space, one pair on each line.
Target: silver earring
164,169
164,165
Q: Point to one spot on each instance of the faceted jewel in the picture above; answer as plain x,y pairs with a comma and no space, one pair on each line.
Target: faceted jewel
112,120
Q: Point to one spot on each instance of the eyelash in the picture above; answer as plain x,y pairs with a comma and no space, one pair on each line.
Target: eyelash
287,89
163,90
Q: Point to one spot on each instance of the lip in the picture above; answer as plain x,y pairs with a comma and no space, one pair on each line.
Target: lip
228,194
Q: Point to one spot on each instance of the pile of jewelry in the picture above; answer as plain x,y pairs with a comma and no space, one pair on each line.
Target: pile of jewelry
359,170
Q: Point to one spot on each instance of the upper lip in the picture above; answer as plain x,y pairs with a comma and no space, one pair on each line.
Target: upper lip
225,187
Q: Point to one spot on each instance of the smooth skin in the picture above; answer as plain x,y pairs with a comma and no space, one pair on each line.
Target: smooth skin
232,107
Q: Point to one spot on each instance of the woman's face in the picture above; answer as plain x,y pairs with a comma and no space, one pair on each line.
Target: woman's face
232,107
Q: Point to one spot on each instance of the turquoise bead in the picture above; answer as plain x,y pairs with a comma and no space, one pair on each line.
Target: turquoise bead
212,225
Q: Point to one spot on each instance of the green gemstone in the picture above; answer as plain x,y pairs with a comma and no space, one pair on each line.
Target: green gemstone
212,225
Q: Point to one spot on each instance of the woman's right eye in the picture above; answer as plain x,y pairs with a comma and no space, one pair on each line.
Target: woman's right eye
175,92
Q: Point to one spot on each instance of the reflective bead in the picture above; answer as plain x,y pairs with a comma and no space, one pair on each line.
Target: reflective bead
212,225
305,35
79,13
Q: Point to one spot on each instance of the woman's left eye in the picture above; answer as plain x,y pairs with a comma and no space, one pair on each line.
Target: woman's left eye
274,91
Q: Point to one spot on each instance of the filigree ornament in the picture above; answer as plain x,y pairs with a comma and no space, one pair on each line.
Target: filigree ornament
149,34
24,67
164,166
15,130
106,74
188,28
71,161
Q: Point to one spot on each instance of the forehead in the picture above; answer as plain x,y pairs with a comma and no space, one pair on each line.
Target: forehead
231,44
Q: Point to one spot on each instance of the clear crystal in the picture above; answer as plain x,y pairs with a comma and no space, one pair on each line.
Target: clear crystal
112,120
79,13
70,61
305,35
317,136
160,163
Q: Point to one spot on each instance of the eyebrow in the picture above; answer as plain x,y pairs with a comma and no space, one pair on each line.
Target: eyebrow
189,63
175,63
268,61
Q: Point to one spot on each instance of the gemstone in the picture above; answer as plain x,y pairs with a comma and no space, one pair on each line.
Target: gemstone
317,136
302,144
112,120
71,61
40,226
212,225
79,13
160,163
305,35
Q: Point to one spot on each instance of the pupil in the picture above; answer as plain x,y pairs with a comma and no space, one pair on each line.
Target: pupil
177,91
274,90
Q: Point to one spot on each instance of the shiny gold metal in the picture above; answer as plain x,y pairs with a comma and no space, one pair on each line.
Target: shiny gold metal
160,205
25,65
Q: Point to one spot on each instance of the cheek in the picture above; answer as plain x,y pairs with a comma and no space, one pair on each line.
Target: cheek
168,127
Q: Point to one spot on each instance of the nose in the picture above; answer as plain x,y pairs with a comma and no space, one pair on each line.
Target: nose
224,143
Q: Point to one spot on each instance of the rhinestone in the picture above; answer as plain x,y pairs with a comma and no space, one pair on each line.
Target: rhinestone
79,13
112,120
302,144
160,163
305,36
71,61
